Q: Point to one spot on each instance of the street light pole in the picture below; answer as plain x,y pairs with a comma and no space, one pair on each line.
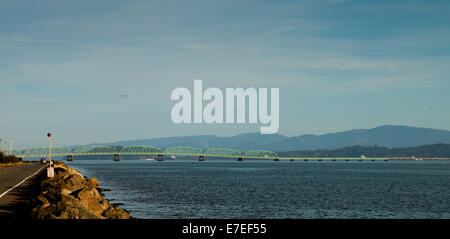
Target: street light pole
50,148
50,169
10,146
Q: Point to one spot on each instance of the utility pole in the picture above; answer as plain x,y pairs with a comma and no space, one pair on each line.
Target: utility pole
10,146
50,169
0,145
50,148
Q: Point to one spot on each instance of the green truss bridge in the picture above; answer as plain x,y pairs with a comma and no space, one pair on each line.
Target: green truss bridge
169,152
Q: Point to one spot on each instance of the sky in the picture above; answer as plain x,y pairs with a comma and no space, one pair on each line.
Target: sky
339,65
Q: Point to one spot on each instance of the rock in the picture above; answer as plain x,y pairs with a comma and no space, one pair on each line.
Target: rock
93,182
61,165
61,173
53,187
69,213
105,204
69,195
41,213
75,181
91,199
68,201
66,191
68,207
77,213
57,184
116,213
42,199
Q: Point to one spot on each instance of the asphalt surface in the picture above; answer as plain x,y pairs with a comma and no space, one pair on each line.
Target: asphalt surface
14,182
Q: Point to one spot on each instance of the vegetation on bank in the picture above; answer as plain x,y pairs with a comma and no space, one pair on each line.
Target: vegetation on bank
425,151
5,165
9,159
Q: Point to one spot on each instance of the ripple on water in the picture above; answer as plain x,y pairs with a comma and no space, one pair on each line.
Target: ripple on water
230,189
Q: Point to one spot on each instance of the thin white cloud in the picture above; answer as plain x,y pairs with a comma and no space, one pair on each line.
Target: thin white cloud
29,99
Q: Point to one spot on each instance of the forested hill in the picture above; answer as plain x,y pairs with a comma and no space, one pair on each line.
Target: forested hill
431,151
387,136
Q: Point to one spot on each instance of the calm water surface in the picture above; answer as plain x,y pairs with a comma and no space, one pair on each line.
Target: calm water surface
266,189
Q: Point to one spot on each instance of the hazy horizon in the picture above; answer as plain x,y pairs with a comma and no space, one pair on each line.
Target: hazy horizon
212,134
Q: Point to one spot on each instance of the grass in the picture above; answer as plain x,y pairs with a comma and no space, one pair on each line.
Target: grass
5,165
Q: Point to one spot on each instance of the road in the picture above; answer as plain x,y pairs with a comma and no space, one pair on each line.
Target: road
13,181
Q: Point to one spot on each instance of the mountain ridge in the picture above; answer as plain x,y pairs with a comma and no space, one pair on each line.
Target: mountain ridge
423,151
394,136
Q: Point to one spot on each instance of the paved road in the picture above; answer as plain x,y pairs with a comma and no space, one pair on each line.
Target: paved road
13,180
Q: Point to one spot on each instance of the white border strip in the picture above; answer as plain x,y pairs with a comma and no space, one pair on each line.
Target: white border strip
7,191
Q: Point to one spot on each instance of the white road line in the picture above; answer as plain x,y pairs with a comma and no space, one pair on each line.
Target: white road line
7,191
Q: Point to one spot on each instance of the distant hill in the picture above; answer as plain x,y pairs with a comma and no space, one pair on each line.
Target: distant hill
388,136
385,136
425,151
240,142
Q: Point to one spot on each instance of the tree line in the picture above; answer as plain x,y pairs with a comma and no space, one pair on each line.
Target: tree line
425,151
9,158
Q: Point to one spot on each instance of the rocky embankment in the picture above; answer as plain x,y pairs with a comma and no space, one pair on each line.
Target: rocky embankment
68,195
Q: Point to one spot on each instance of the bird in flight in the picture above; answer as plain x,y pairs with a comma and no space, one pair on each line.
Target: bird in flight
123,96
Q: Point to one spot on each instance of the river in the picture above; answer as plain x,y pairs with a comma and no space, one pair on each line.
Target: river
267,189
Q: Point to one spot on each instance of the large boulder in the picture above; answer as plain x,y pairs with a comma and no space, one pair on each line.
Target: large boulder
93,182
51,188
91,199
74,182
114,212
68,207
72,208
62,183
65,168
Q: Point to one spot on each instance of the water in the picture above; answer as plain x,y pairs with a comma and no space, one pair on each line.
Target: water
266,189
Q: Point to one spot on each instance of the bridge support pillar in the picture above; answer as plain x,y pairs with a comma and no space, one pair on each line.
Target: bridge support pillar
69,158
116,157
160,157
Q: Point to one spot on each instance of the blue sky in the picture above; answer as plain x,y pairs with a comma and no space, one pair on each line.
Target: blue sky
339,65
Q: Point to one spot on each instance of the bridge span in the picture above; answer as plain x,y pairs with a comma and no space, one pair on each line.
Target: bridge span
204,155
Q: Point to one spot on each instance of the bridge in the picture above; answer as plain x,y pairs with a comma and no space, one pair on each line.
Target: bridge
174,151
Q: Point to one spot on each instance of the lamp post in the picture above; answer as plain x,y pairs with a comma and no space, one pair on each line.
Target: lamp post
10,146
49,135
50,169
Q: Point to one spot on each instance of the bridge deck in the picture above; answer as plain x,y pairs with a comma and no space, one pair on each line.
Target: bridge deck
228,156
